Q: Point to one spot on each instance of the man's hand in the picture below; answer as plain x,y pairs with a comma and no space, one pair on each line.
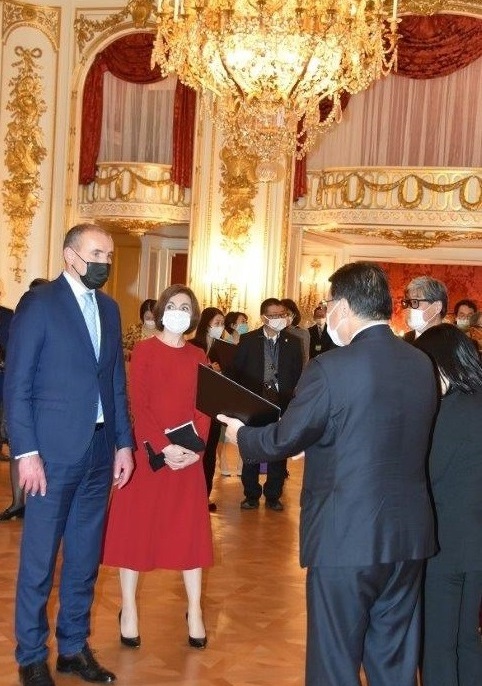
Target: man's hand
232,426
177,457
31,475
123,466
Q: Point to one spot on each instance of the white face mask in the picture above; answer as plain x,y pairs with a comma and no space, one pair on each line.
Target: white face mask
333,333
215,331
462,323
278,324
176,321
150,324
416,321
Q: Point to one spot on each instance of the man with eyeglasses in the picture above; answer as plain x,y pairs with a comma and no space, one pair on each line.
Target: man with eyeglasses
362,414
425,304
268,361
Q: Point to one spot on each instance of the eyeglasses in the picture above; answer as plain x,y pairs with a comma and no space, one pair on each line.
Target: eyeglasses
413,302
324,303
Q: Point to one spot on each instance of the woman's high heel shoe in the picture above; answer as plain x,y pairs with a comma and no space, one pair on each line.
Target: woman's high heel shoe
197,642
129,642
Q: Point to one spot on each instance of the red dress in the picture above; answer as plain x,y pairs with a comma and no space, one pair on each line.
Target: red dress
160,520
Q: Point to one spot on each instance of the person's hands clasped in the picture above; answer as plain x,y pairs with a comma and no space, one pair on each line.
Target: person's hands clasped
177,457
31,475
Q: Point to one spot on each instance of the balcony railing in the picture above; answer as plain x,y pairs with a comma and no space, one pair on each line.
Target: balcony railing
135,194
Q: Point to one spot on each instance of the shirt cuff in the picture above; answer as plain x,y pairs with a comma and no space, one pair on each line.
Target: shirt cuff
31,454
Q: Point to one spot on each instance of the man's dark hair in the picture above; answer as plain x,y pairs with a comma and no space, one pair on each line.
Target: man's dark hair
73,235
266,303
364,285
467,303
454,355
39,281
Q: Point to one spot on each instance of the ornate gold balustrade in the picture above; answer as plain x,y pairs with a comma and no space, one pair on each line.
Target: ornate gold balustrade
134,196
417,207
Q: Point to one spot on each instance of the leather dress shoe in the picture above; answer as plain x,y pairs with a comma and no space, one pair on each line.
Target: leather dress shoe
35,674
12,512
275,505
134,642
249,504
84,665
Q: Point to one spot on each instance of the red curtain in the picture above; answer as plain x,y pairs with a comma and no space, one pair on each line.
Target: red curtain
462,281
129,59
183,135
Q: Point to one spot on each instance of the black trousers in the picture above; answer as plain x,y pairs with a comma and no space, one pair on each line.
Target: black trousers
364,615
209,459
273,486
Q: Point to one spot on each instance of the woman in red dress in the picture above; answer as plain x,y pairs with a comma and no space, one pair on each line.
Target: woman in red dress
160,519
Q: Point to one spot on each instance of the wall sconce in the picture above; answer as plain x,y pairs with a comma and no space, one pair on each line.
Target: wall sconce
309,298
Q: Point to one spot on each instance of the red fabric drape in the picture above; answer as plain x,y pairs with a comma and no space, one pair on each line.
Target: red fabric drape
129,59
183,135
430,47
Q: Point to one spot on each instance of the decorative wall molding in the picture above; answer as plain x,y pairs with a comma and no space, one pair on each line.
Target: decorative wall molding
24,152
46,19
239,188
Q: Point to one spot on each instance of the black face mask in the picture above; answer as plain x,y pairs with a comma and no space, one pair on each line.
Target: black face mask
96,275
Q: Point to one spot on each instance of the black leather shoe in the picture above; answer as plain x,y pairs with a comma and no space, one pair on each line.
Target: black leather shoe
275,505
249,504
134,642
84,665
197,642
35,674
12,512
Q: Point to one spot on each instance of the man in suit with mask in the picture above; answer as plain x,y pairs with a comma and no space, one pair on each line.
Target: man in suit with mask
425,304
69,428
268,361
320,340
362,414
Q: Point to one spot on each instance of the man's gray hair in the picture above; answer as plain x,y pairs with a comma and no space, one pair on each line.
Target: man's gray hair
432,290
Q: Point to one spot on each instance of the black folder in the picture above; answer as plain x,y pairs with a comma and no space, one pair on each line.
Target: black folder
216,394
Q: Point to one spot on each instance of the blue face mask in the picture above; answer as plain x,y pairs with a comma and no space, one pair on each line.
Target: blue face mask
242,328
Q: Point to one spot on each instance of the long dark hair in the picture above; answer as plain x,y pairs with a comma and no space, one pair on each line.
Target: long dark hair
454,355
200,338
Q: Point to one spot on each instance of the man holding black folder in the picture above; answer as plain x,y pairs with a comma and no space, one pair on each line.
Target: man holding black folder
268,361
362,414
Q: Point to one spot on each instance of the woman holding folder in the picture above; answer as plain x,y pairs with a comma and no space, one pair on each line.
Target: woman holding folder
160,520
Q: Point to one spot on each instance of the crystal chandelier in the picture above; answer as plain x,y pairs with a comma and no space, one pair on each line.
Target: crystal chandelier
264,66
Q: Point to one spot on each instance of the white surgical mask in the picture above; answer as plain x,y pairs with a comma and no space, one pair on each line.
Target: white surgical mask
416,319
176,321
462,323
333,333
278,324
150,324
215,331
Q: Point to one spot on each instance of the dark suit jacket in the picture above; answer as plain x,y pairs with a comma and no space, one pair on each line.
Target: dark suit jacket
5,320
53,380
363,415
455,467
319,343
248,364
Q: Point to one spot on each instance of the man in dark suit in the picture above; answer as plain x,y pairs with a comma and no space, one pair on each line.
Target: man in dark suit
362,414
69,428
268,361
5,319
320,340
